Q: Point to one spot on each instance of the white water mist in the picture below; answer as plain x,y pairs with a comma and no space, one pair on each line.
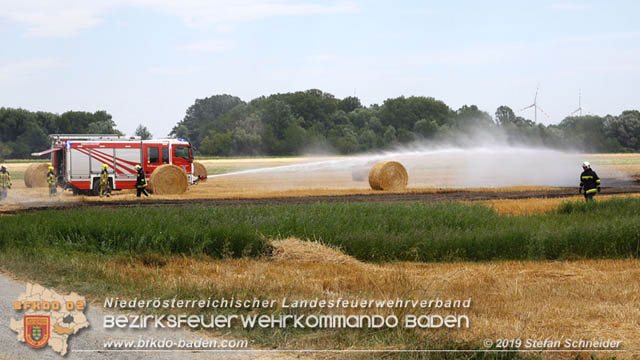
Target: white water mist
454,167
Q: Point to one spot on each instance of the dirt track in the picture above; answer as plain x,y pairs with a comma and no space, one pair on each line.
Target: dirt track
446,195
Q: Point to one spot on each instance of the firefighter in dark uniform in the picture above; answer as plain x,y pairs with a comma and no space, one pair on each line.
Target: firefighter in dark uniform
51,181
141,183
589,182
5,182
105,190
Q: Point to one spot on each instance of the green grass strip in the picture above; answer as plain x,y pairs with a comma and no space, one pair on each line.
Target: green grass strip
367,231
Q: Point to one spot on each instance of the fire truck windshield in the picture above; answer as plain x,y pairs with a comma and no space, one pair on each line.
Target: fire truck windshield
182,152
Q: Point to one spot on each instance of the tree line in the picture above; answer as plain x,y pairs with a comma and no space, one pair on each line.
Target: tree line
292,123
23,132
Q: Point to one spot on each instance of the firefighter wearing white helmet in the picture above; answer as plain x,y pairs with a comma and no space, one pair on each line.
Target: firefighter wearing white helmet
51,181
589,182
141,183
5,182
105,190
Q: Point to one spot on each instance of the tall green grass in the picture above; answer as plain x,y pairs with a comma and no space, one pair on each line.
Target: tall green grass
367,231
111,231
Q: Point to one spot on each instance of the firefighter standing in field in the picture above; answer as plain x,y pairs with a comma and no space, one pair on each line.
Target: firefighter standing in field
5,182
141,183
105,190
51,181
589,182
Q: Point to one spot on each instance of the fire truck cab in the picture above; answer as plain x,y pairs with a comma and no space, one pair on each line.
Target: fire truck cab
77,159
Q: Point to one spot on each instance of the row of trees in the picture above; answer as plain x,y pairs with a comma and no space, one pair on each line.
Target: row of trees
291,123
23,132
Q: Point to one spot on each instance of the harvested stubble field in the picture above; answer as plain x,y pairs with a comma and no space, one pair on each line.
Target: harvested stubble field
561,286
505,296
621,173
585,299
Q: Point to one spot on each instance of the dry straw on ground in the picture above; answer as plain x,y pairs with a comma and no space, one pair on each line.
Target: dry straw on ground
292,249
388,175
36,175
168,180
585,299
200,171
540,205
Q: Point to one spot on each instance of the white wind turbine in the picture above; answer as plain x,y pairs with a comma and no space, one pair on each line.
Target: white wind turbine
535,107
579,109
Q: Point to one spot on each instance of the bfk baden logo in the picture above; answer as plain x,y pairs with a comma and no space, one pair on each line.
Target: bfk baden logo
49,318
36,330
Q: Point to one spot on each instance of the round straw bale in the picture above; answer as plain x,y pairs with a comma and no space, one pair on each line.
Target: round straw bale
168,180
27,176
36,175
388,175
199,171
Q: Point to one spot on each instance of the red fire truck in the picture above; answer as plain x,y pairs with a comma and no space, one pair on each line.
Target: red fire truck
78,159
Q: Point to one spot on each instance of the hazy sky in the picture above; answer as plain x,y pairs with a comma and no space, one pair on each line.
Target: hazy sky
146,61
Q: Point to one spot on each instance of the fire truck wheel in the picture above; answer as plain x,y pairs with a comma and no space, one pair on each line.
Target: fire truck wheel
96,187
